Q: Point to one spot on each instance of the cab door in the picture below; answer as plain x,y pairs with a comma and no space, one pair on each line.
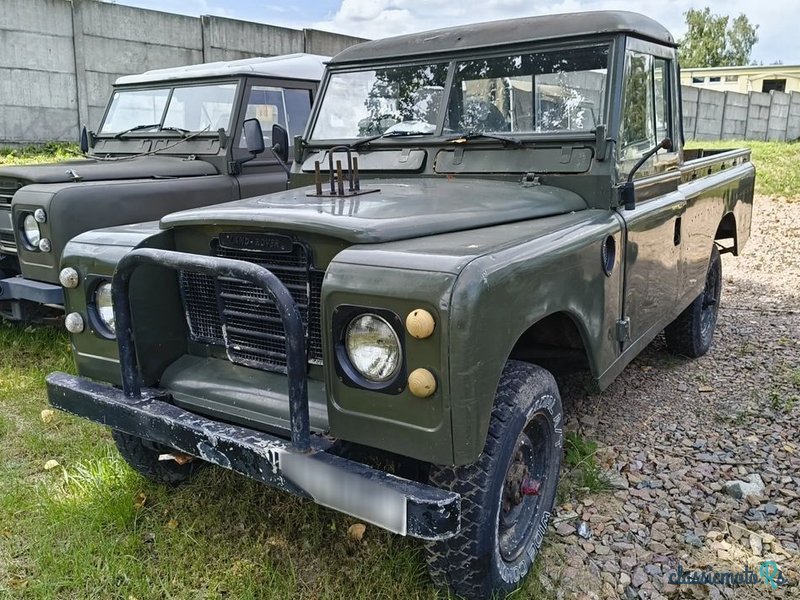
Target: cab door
654,227
287,103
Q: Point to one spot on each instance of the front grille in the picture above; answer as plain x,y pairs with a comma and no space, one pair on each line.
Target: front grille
8,243
8,187
229,312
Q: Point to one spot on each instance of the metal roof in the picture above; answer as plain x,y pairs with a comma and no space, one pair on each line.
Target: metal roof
508,32
289,66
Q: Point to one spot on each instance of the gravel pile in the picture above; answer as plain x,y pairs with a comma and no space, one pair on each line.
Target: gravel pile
703,456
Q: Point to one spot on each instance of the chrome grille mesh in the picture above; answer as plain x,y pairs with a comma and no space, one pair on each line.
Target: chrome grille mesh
235,314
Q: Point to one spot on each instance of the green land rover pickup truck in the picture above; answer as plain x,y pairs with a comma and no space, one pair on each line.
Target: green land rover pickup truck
169,139
473,209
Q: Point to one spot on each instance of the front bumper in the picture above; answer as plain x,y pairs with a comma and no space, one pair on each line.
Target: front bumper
399,505
19,288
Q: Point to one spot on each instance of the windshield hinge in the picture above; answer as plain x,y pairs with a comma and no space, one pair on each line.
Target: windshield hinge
624,330
404,154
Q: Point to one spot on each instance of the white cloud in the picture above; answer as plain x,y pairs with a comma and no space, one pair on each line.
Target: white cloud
383,18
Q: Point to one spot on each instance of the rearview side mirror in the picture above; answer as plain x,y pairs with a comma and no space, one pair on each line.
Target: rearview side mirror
253,137
280,143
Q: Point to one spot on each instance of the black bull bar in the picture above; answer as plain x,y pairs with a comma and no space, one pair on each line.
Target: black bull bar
302,466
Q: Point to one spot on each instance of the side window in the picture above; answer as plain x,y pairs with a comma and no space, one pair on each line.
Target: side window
298,107
638,132
265,104
286,107
661,83
646,117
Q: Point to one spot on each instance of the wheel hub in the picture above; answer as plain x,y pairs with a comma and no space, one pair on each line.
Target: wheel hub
519,483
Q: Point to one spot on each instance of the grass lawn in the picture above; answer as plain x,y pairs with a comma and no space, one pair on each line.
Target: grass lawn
777,170
52,152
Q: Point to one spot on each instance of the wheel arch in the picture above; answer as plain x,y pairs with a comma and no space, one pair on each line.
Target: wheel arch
726,230
556,342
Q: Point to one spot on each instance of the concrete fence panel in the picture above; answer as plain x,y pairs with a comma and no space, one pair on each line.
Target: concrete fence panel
229,39
778,116
757,116
327,43
689,96
793,121
38,90
734,116
710,108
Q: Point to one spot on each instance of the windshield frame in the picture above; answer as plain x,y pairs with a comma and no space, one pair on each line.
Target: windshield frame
452,59
171,85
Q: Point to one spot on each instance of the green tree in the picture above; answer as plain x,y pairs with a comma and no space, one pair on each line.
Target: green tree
716,41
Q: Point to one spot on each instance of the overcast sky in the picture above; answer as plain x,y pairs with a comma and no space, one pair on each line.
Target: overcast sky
778,20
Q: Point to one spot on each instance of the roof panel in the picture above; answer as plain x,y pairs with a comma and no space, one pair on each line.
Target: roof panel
289,66
508,32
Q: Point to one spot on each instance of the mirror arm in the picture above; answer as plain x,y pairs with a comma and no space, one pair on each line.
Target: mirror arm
627,190
275,149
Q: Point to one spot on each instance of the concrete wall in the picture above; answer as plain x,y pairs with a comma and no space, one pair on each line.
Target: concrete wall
714,115
38,88
59,57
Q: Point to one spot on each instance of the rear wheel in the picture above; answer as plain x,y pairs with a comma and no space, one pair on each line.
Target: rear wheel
692,332
507,495
143,455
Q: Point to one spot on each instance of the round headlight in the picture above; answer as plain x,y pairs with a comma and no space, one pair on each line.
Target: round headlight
30,228
105,309
373,347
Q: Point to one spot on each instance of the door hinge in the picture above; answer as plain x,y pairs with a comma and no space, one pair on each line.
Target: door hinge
624,330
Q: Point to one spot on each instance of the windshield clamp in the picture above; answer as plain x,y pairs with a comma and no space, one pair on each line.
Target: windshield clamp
336,178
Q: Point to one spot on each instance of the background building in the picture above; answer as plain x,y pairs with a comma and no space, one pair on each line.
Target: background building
764,78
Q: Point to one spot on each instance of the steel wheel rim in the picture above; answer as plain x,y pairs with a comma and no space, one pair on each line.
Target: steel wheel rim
517,522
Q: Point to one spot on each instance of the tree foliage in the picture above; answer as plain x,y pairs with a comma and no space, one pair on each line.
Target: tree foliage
716,41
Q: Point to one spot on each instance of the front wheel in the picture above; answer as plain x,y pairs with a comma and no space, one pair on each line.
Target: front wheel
507,495
692,332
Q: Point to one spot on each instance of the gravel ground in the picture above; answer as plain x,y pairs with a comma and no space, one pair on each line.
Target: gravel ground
703,456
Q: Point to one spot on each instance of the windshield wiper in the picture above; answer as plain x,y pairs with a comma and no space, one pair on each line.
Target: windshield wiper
181,130
136,128
472,135
388,134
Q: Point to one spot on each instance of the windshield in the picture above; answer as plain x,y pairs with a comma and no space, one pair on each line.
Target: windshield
536,92
191,108
365,103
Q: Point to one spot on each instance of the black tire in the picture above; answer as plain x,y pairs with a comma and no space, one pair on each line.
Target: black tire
142,455
692,332
501,525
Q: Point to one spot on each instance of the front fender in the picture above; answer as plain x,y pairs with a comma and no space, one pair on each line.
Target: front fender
94,255
498,296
